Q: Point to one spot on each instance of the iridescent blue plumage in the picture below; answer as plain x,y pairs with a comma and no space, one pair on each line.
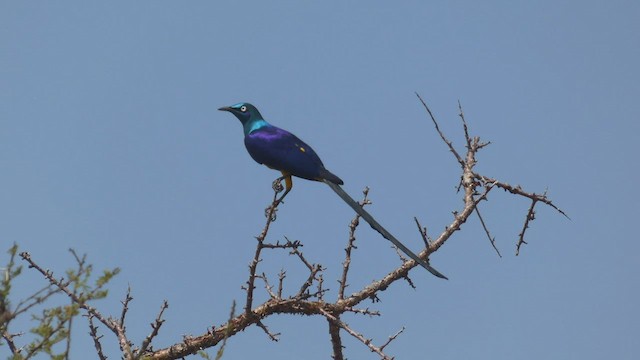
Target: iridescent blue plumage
281,150
278,148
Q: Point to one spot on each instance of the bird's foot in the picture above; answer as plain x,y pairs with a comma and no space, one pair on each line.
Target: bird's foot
277,185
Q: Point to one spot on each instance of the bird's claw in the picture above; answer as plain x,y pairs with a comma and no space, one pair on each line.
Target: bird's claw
277,185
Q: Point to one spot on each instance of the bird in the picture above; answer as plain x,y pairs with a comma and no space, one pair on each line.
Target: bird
281,150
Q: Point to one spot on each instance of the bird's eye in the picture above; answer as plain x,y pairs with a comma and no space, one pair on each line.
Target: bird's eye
243,108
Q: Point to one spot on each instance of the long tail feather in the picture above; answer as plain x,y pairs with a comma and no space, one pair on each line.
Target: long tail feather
377,227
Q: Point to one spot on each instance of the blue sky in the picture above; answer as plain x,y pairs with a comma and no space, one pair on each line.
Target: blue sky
111,144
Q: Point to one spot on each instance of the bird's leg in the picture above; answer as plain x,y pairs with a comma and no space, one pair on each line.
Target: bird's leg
288,185
277,187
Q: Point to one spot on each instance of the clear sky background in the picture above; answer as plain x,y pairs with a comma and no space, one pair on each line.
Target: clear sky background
111,144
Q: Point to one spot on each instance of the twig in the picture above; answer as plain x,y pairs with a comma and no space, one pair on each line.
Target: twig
9,339
33,349
355,334
35,299
81,269
366,311
314,274
391,338
531,215
287,245
517,190
351,245
313,271
155,326
423,232
281,276
256,258
125,345
320,292
535,198
272,336
492,240
446,141
93,331
464,126
61,285
347,258
267,286
125,306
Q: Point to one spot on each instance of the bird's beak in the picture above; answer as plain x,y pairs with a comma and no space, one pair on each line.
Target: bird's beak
225,108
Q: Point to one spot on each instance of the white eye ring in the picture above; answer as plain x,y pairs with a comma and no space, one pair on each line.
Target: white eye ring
243,108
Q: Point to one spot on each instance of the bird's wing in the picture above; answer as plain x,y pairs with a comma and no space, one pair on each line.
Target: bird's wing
281,150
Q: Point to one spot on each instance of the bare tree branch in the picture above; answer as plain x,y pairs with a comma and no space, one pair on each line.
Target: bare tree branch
492,239
305,301
351,245
449,143
357,335
9,339
256,258
475,189
272,336
156,328
336,340
531,215
391,338
125,306
93,331
423,232
116,328
517,190
267,286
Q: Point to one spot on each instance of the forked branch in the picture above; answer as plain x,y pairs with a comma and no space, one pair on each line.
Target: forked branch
307,298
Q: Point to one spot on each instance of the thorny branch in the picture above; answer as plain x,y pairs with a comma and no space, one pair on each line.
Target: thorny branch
93,331
351,245
54,323
156,328
492,239
117,327
367,342
9,339
63,286
125,305
476,188
446,141
336,340
253,266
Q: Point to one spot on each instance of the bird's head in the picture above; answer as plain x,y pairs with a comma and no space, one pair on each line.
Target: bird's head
245,112
248,115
